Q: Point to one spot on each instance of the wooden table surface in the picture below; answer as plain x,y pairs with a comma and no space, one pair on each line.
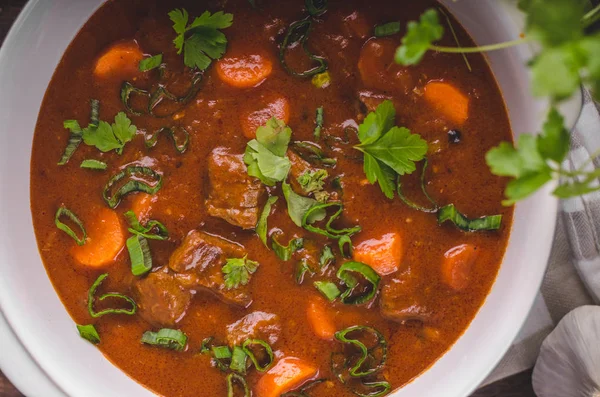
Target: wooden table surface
515,386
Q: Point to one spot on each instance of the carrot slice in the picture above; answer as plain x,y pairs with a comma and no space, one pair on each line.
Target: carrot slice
105,240
448,100
383,254
458,265
142,205
269,106
121,60
288,374
244,71
320,319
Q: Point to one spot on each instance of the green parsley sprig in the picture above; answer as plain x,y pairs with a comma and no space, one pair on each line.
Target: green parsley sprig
237,271
569,57
201,41
266,156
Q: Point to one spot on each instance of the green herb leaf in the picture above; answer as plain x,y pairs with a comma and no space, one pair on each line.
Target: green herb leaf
553,142
298,206
139,255
267,358
89,333
64,211
387,29
112,295
554,22
234,378
237,271
201,41
314,182
153,230
365,294
265,156
106,137
318,123
92,164
376,123
326,257
328,289
450,213
238,360
75,139
150,63
261,226
419,37
284,252
167,338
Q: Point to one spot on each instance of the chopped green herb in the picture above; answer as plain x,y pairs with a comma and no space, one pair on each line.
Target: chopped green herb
298,206
64,211
387,29
232,379
318,122
419,37
316,7
450,213
372,358
312,153
297,34
201,41
238,360
92,164
89,333
265,156
154,230
150,63
258,350
75,139
316,210
221,352
139,255
328,289
134,184
107,137
313,182
326,257
301,269
321,80
284,252
180,147
167,338
237,271
347,273
261,226
92,299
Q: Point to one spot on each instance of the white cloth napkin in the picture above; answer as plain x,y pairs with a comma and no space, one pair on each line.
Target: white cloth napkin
573,275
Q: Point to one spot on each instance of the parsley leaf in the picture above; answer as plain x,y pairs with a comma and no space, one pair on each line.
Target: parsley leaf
201,41
150,63
265,156
314,182
106,137
419,37
298,206
388,150
237,271
554,22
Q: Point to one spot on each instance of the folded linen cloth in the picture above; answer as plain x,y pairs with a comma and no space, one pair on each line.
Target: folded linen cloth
573,275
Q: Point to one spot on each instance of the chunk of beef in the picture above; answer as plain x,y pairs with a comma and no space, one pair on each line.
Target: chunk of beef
199,261
161,299
256,325
233,195
402,301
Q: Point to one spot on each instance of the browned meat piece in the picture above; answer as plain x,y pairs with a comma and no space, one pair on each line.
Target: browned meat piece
233,195
199,261
402,301
256,325
371,100
161,299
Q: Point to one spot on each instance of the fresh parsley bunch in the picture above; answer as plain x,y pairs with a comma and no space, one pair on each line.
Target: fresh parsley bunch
569,57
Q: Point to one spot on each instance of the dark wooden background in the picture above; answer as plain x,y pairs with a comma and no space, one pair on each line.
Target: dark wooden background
515,386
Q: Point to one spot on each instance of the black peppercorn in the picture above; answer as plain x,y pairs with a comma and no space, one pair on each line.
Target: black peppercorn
454,136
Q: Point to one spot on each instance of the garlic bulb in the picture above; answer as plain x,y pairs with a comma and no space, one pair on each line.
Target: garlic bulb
569,360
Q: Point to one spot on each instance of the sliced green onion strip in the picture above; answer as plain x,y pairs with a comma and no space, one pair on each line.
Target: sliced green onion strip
139,254
205,346
238,360
387,29
235,378
63,211
250,344
179,147
95,113
318,123
373,363
316,7
89,333
284,252
410,203
92,164
92,299
126,91
301,270
328,289
261,226
450,213
221,357
344,273
329,231
135,227
345,246
378,389
312,153
133,185
298,32
166,338
75,139
326,257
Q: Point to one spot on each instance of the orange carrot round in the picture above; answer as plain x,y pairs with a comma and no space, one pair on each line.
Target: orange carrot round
383,254
448,100
244,71
288,374
320,319
105,240
142,205
260,112
458,264
120,61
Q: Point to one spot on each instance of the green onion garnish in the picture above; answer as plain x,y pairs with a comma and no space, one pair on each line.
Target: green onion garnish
261,226
284,252
92,164
257,347
450,213
318,122
387,29
328,289
232,379
92,299
313,153
372,358
153,230
89,333
139,254
167,338
132,185
180,147
238,360
221,352
316,7
75,139
69,214
303,391
329,230
298,33
326,257
343,242
345,273
411,204
301,270
150,63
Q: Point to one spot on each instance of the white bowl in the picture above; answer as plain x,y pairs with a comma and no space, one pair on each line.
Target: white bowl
32,309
